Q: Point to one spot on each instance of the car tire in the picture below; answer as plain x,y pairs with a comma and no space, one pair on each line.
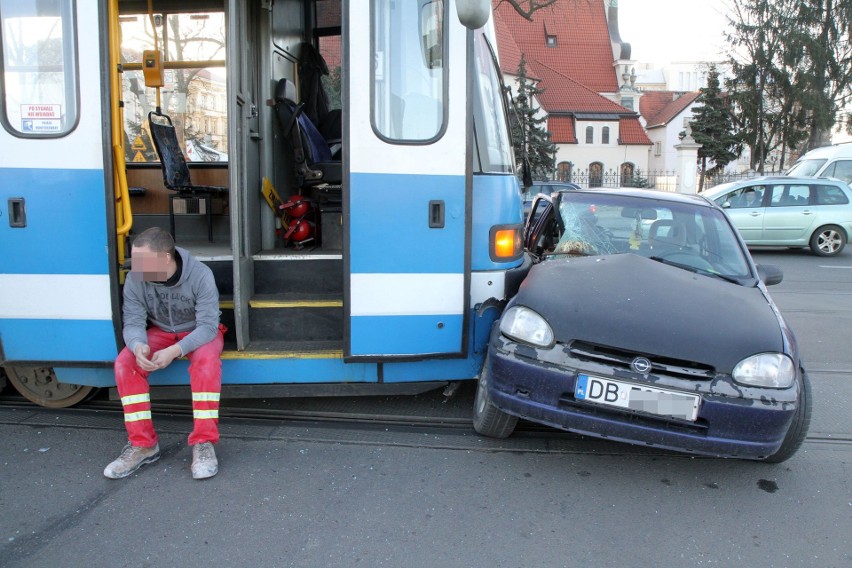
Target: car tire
828,240
489,420
798,428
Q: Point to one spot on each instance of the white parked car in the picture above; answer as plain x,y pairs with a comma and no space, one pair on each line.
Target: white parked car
828,162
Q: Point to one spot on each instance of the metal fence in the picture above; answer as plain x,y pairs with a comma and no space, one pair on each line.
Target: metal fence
710,181
659,180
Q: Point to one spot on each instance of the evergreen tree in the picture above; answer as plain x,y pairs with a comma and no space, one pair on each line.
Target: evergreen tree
713,128
759,29
792,71
824,38
531,141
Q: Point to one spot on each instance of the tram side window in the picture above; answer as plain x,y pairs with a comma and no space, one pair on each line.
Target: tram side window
409,75
328,32
491,131
194,95
39,78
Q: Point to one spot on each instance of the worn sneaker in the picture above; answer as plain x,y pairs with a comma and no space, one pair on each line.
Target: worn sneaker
131,459
204,462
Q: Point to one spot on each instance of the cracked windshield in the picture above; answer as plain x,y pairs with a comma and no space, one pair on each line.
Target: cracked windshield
697,238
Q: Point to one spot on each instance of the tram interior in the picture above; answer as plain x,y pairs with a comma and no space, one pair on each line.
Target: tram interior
304,50
289,86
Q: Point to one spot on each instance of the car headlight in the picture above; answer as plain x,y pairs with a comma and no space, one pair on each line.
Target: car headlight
524,325
769,370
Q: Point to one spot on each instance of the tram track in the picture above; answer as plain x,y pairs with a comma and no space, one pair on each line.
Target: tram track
303,426
332,420
255,413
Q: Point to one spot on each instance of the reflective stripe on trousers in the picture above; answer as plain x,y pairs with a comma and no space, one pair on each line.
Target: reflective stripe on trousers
205,378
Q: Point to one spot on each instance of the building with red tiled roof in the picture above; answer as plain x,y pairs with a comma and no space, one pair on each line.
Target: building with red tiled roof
658,108
573,51
664,114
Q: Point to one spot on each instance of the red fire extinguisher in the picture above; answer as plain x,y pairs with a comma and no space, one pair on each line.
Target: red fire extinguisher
298,228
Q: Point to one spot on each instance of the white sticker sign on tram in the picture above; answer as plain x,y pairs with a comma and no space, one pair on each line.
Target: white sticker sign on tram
41,118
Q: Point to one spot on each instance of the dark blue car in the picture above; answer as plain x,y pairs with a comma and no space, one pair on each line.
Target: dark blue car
646,321
545,187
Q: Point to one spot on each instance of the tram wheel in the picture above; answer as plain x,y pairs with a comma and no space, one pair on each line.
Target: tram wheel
39,385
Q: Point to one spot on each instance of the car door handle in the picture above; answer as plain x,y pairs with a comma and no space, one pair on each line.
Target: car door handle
807,212
755,213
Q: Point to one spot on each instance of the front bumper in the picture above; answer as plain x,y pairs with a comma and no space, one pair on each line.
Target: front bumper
728,424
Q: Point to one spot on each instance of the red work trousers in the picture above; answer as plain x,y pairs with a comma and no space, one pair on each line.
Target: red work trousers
205,378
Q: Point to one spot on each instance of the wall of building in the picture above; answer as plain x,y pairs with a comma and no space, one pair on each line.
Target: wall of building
612,156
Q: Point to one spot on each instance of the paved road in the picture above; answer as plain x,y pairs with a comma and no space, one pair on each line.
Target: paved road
816,299
297,494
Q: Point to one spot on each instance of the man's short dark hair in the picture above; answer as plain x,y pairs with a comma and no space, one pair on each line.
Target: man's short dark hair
156,239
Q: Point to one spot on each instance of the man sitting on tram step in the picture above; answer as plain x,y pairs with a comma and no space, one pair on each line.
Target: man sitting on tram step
171,310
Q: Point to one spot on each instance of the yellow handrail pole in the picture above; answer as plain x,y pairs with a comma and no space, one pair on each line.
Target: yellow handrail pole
156,41
123,212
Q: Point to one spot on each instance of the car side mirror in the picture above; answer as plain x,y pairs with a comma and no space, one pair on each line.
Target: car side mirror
540,212
770,274
726,205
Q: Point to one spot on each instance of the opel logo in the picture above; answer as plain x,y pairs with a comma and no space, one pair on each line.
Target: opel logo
640,365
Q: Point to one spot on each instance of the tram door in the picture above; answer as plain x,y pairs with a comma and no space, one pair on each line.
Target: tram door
56,253
407,198
244,152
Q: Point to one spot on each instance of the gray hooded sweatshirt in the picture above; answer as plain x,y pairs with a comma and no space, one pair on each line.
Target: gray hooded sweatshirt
190,305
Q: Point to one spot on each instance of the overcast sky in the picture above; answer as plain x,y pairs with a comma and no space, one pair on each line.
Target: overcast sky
661,31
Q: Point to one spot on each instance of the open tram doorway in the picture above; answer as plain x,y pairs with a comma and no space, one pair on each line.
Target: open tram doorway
192,40
235,72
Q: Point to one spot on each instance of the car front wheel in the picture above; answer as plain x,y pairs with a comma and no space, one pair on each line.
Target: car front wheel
489,420
798,428
828,240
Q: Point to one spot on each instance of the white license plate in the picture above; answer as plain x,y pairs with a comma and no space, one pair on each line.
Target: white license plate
637,397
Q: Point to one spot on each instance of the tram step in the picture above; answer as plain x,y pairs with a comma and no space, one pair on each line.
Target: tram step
318,319
223,272
226,307
287,350
297,274
291,274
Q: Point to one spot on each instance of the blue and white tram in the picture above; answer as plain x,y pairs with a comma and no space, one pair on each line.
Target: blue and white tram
412,232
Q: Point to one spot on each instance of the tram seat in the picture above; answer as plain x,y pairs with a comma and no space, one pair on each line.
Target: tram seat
312,152
176,172
312,70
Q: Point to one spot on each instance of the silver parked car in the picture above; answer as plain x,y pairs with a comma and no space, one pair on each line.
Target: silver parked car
789,211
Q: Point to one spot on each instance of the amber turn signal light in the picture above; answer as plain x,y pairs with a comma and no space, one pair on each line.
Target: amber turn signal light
505,243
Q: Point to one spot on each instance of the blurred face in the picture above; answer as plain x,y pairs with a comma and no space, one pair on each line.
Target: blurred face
151,266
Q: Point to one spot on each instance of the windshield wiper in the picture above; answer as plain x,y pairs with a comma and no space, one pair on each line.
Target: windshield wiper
570,253
702,271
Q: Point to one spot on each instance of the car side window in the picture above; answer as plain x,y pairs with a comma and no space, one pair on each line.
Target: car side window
750,196
841,169
829,195
790,195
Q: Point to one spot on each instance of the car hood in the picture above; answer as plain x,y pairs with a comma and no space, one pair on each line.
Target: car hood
632,303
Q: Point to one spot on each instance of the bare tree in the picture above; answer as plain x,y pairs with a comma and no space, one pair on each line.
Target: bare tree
527,8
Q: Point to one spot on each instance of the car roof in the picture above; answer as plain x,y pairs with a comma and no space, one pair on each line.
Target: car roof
791,180
650,194
556,183
843,150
